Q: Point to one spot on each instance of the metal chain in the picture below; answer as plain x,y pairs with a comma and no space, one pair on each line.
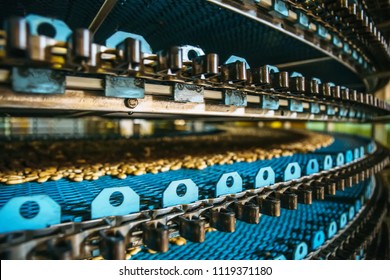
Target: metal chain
111,236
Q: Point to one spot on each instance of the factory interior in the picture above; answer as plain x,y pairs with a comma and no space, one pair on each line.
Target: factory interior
194,130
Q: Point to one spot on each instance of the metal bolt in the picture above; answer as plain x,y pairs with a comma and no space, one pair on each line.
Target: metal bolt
138,83
131,103
180,86
56,75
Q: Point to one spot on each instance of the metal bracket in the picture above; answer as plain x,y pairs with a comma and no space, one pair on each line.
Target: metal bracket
343,220
228,183
295,105
321,31
362,151
312,167
292,171
351,213
188,93
300,251
269,102
280,257
48,212
340,159
336,41
315,108
356,153
352,113
331,110
328,162
343,112
280,9
358,205
42,81
180,192
264,177
371,147
125,87
370,188
235,98
348,156
102,207
331,229
317,240
61,31
119,36
303,20
234,58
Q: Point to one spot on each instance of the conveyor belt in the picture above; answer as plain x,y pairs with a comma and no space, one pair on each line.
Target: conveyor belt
75,197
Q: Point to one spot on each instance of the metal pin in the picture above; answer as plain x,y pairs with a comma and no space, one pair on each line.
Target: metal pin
155,236
289,200
270,206
130,53
205,65
248,212
171,59
17,36
318,190
234,72
113,245
325,90
280,80
192,230
81,45
261,76
223,220
312,87
297,84
305,195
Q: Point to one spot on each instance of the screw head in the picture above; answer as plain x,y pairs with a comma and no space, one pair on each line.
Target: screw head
138,82
131,102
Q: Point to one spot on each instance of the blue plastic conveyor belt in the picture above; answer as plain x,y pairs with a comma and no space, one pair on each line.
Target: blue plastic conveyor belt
75,198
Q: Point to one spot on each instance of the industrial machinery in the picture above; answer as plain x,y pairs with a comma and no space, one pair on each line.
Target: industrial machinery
140,129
